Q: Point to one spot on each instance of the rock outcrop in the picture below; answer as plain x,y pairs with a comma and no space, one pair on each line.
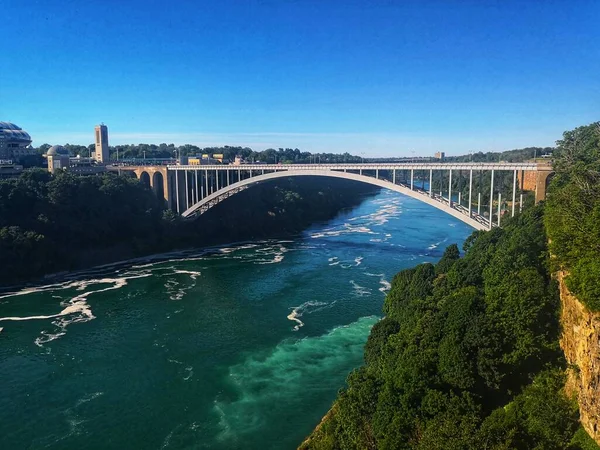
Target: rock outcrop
580,342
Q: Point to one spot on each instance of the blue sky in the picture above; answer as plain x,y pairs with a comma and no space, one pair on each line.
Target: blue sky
383,78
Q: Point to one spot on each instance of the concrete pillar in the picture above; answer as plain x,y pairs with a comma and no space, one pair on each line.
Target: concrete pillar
206,194
394,176
470,189
430,182
499,202
228,183
217,178
187,195
521,202
459,193
412,175
450,190
167,180
514,193
197,187
377,174
479,203
177,191
491,198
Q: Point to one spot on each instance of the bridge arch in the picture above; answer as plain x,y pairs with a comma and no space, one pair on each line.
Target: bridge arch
158,184
145,178
232,189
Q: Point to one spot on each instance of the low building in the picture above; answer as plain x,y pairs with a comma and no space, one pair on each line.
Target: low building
59,159
8,169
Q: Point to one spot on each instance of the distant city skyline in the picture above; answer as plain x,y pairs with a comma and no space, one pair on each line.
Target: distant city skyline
373,78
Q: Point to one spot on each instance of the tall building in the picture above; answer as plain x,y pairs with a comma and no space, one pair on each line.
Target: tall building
440,155
101,154
14,142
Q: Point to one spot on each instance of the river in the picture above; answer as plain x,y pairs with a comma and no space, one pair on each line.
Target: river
243,346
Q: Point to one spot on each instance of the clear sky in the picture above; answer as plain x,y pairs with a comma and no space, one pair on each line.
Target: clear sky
383,78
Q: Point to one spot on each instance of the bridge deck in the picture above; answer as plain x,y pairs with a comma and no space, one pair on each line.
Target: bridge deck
367,166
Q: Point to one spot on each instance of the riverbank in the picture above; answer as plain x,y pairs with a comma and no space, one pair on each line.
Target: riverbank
60,233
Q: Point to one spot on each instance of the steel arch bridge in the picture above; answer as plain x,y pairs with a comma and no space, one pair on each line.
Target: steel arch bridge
191,190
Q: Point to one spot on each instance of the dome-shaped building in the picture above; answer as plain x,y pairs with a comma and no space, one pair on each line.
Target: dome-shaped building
58,158
14,142
57,150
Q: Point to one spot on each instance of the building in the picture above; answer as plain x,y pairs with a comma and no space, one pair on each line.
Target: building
14,142
440,155
59,159
9,169
101,154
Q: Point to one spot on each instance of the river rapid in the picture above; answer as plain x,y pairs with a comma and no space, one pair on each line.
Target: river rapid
240,347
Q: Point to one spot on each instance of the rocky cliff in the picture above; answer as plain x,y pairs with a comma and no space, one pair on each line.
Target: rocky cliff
580,342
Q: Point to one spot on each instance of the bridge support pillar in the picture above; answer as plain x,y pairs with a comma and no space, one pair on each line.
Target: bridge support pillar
394,176
470,189
514,196
450,190
521,203
499,203
412,176
187,193
206,194
541,182
430,182
491,199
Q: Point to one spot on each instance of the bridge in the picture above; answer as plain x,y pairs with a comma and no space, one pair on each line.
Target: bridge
191,190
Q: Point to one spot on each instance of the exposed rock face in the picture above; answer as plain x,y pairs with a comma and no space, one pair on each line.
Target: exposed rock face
580,342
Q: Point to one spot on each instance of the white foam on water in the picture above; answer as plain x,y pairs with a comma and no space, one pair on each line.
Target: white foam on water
358,260
76,309
171,284
437,244
88,398
190,373
192,273
277,258
369,274
386,285
347,228
306,308
359,290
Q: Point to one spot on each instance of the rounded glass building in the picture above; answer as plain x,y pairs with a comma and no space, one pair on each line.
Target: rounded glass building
14,142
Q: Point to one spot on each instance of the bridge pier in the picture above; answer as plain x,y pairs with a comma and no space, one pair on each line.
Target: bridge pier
470,190
491,220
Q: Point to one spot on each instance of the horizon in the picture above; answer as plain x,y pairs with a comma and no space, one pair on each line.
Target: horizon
380,80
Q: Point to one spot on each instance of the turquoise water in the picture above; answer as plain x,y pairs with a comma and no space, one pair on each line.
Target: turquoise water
240,347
